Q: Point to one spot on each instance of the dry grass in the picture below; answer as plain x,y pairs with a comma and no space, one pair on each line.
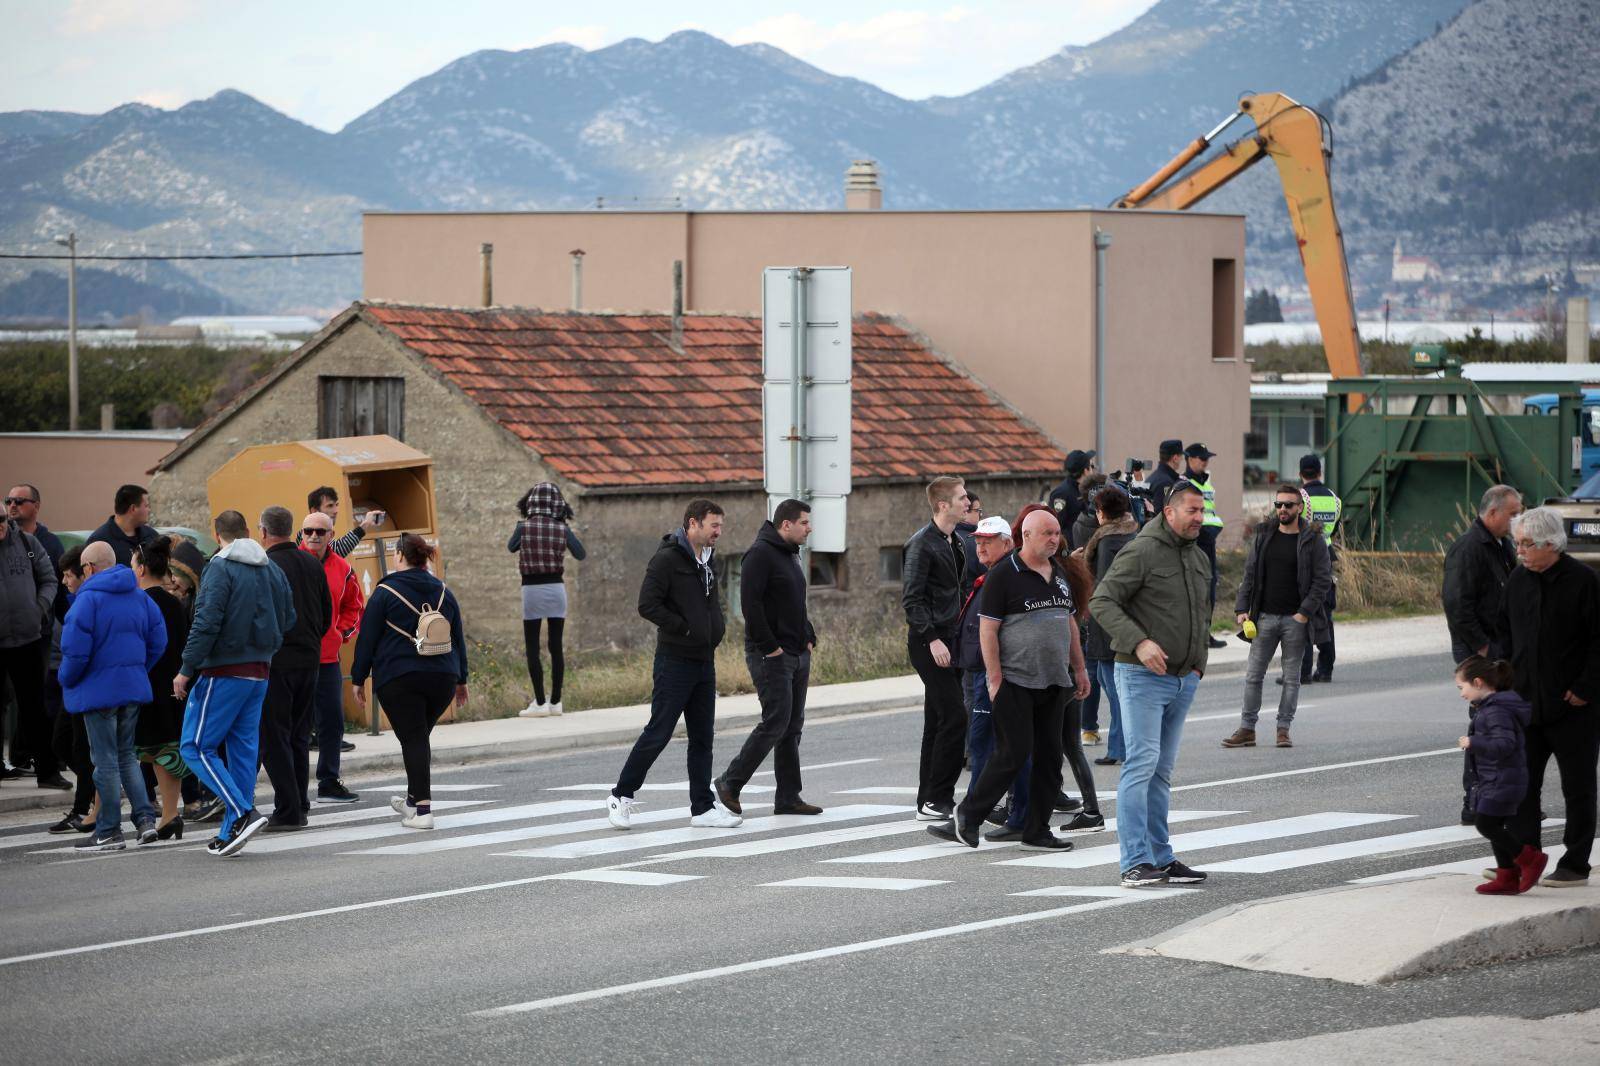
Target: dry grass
1371,584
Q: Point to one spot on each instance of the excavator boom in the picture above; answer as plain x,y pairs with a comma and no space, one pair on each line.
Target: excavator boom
1292,135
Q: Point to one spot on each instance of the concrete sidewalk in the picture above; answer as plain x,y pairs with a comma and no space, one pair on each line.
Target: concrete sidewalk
463,742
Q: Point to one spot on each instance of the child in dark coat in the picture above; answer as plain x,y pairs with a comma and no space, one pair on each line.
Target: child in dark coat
1498,756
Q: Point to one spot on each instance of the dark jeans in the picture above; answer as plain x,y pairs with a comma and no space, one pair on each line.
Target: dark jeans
25,666
286,740
70,741
1501,837
781,682
414,703
683,688
980,743
329,713
1072,745
944,727
1575,743
1027,722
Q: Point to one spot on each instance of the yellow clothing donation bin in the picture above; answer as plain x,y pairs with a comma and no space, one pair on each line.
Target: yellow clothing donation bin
370,474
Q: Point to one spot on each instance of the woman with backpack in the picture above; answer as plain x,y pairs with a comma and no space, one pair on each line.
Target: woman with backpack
412,646
541,541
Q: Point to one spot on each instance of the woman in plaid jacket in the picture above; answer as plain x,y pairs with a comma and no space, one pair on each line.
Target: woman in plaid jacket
541,542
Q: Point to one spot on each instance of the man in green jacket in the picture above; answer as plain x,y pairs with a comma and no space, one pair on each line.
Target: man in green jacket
1154,605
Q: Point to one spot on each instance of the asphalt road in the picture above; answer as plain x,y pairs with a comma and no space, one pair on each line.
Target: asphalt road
323,946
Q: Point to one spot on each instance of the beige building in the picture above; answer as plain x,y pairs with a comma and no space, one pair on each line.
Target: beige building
77,474
631,426
1012,293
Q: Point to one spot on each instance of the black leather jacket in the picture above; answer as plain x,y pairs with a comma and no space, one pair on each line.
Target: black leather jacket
931,589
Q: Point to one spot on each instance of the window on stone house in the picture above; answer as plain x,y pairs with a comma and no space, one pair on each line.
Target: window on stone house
828,571
360,407
891,564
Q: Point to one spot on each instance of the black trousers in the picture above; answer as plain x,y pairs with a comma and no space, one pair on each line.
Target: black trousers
684,688
414,703
1501,837
1208,544
70,741
781,682
1077,761
286,739
25,667
1324,650
1027,722
944,726
1574,741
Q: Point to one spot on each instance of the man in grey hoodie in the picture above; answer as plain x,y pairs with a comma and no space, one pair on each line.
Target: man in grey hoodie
27,594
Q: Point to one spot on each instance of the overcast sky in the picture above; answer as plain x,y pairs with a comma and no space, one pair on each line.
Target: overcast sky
326,62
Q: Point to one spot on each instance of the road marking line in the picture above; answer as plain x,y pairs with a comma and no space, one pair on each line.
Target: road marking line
662,838
298,841
431,788
882,884
526,832
1109,892
747,848
1249,833
668,786
627,877
1352,849
880,790
820,953
946,850
1318,769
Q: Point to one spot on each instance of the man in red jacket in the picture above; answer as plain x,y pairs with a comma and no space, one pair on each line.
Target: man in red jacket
316,536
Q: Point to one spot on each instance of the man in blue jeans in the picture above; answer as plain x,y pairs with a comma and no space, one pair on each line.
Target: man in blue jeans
112,636
1154,604
679,596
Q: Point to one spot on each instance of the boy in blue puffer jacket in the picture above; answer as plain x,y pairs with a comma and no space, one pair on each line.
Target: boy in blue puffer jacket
111,638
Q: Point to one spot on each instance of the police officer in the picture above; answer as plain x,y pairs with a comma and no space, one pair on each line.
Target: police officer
1066,499
1198,458
1168,469
1324,507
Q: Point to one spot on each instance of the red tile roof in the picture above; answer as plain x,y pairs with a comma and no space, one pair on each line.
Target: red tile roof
606,402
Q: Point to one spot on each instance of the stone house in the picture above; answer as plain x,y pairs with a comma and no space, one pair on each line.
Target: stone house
631,428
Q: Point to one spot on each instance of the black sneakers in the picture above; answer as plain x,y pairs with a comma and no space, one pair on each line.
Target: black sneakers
1179,874
1003,835
934,812
243,829
1143,874
96,842
1066,804
72,823
1084,822
954,831
1048,842
207,810
336,793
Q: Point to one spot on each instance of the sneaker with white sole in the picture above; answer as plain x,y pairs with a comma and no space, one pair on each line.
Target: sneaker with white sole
935,812
716,818
536,709
1084,822
415,820
243,829
399,805
555,710
619,811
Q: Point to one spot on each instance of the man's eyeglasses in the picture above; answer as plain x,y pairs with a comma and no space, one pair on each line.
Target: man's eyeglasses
315,532
1287,505
19,499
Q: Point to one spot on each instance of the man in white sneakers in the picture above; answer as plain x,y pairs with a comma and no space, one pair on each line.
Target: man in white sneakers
679,596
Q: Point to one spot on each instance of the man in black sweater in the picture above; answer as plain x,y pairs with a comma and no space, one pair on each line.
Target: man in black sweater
292,679
778,640
679,596
931,596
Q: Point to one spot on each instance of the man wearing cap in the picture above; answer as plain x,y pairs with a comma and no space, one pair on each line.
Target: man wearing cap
1066,499
1167,471
1198,457
1323,508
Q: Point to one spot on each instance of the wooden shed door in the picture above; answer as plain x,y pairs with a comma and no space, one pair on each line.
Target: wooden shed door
360,407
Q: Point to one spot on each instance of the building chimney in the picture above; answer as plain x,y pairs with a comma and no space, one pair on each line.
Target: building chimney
861,189
488,274
1578,329
677,306
577,278
108,417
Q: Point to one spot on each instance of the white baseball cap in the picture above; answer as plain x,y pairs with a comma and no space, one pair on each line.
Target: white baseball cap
993,526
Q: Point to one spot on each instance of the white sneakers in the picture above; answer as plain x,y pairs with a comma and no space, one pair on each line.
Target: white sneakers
619,810
399,805
417,821
556,711
536,709
718,817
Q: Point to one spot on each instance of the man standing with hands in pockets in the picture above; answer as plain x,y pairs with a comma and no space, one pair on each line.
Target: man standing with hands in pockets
1154,604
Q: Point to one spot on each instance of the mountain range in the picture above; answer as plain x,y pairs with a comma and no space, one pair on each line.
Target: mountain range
1429,100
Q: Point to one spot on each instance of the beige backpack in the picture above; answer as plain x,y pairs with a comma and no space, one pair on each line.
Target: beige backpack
433,628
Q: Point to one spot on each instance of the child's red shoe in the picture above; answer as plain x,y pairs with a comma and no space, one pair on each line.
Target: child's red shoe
1504,884
1530,864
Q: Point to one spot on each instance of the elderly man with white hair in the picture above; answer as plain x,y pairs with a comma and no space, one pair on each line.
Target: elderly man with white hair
1550,629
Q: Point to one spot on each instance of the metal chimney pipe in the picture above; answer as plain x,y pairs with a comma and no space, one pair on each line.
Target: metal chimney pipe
488,273
677,305
577,279
1102,241
108,417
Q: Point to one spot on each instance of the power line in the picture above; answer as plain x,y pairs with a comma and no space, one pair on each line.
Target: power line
170,258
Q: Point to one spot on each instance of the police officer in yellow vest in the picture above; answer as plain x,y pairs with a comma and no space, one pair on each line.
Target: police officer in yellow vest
1324,507
1198,459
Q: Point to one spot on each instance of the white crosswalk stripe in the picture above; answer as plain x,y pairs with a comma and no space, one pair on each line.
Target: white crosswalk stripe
945,849
434,844
775,845
1183,843
880,884
1353,849
683,786
647,878
622,842
302,840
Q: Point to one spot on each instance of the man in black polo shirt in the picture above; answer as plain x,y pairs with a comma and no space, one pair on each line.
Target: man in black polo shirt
1034,662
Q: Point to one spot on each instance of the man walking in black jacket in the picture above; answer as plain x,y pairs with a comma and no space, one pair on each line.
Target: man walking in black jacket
292,680
679,596
931,596
778,640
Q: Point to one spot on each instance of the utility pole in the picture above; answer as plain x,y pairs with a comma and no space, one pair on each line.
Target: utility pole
1102,241
70,243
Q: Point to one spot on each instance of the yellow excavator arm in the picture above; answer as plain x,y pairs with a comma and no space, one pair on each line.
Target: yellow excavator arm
1293,135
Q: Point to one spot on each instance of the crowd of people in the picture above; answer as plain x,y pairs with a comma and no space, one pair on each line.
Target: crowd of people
148,670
